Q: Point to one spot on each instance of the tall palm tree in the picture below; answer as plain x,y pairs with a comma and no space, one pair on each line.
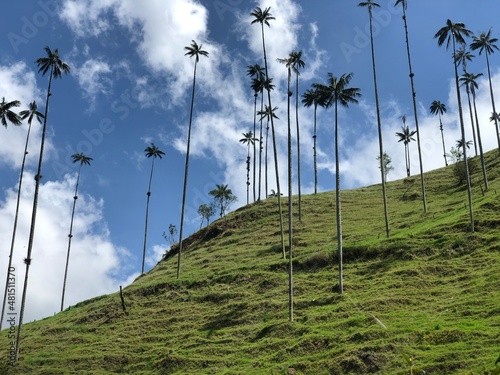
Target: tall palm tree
371,4
29,114
462,57
256,72
454,33
263,17
406,136
470,80
223,196
249,140
267,114
194,50
52,64
151,152
297,64
82,159
404,5
314,97
7,114
337,92
484,42
438,108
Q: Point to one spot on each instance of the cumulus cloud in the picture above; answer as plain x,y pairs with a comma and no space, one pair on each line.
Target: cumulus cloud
92,78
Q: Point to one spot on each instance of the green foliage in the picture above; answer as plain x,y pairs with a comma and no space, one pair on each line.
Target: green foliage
206,211
387,160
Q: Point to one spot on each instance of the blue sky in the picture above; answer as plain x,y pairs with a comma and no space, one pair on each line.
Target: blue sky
130,85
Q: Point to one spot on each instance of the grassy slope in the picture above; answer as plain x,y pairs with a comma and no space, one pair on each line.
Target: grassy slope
430,291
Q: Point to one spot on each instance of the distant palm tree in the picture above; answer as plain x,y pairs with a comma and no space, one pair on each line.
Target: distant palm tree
484,42
406,136
267,114
371,4
438,108
29,114
82,159
56,67
455,33
462,57
256,72
194,50
151,152
7,114
314,97
297,64
249,140
263,17
404,5
223,196
470,80
337,92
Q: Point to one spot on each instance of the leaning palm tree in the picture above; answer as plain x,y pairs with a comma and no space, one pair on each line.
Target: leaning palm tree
297,64
7,114
263,17
151,152
249,140
256,72
82,159
371,4
455,33
406,136
484,42
314,97
29,114
52,64
438,108
194,50
462,57
267,114
337,92
470,80
404,5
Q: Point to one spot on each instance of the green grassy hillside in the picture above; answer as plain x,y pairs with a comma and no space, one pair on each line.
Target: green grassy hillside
430,292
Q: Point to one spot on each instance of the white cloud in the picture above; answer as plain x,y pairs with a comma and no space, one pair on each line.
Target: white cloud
96,265
92,78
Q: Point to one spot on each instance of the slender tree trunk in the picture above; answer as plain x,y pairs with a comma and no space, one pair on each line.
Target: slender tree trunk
186,170
254,150
31,238
315,152
147,216
407,160
290,210
415,112
299,191
467,90
481,154
261,147
14,230
379,125
442,138
70,236
274,149
337,202
267,139
492,100
248,175
462,129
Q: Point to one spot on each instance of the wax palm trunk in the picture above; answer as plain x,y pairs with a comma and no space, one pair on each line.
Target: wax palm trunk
480,142
290,209
147,216
299,190
337,202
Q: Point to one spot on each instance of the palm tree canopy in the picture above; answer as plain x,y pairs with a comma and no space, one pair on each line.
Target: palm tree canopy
403,3
81,158
470,79
314,97
337,90
462,56
195,50
267,112
6,114
262,16
255,70
484,42
460,143
370,4
297,62
31,113
493,115
406,136
455,30
437,107
248,138
52,61
153,151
